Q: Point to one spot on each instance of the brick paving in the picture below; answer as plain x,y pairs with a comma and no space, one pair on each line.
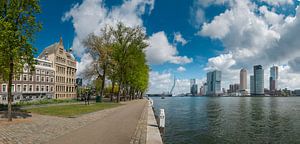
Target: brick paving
41,129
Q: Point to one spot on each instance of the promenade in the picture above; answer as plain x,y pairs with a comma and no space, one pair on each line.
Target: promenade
113,126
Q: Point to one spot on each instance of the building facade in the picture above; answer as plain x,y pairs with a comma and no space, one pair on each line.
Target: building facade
64,64
252,85
193,87
273,78
243,79
214,83
32,85
234,88
258,80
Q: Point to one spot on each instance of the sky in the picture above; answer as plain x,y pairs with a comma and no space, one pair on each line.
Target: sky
187,38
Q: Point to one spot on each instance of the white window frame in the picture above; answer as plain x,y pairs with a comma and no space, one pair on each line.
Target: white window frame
37,87
25,75
29,88
19,86
4,90
42,88
37,78
24,86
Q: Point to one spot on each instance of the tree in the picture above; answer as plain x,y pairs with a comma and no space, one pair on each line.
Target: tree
100,48
17,28
129,57
118,54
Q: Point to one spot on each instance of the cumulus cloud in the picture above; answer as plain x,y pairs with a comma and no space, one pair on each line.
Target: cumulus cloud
163,82
278,2
179,39
181,69
91,15
160,51
253,35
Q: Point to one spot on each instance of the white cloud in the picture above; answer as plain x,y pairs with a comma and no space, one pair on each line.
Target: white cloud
178,38
91,16
278,2
255,35
163,82
181,69
160,51
84,64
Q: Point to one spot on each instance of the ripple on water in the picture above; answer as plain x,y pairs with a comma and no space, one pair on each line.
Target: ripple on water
194,120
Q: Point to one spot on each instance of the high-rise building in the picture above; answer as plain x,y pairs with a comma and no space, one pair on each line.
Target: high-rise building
64,64
205,89
252,85
214,83
234,88
273,78
194,87
243,79
258,80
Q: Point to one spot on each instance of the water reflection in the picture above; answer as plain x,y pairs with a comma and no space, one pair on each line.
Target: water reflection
205,120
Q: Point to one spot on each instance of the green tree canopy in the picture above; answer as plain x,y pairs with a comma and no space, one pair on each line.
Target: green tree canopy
17,28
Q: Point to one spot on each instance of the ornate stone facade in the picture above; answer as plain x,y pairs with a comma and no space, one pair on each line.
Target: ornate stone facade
64,64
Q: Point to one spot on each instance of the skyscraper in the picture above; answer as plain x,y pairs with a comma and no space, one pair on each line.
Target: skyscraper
214,83
243,79
194,87
273,78
258,80
252,85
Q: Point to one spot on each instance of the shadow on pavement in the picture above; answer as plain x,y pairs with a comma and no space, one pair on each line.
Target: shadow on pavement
17,112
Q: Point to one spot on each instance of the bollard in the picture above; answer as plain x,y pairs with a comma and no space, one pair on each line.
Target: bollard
162,118
151,102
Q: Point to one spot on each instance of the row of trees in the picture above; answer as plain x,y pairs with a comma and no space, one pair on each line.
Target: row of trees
118,54
17,28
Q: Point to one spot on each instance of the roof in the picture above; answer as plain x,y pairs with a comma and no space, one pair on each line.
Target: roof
50,49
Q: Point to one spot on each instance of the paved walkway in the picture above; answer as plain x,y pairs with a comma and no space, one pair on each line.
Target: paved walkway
116,124
116,128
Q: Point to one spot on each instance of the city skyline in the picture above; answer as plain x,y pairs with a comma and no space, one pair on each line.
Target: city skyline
188,38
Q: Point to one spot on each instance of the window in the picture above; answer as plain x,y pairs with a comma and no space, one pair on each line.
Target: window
12,88
37,78
37,88
18,88
24,88
47,72
43,72
37,71
51,88
24,77
30,77
30,88
42,88
47,88
51,80
47,79
4,88
42,79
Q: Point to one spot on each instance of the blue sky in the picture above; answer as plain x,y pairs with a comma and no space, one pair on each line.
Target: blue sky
211,34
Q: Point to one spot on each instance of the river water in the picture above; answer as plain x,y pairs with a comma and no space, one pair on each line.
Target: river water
209,120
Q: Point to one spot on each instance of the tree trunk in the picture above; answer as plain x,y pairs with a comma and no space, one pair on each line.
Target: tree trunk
103,82
119,93
112,90
9,92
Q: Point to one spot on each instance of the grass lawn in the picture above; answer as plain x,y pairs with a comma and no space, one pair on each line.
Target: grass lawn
72,110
